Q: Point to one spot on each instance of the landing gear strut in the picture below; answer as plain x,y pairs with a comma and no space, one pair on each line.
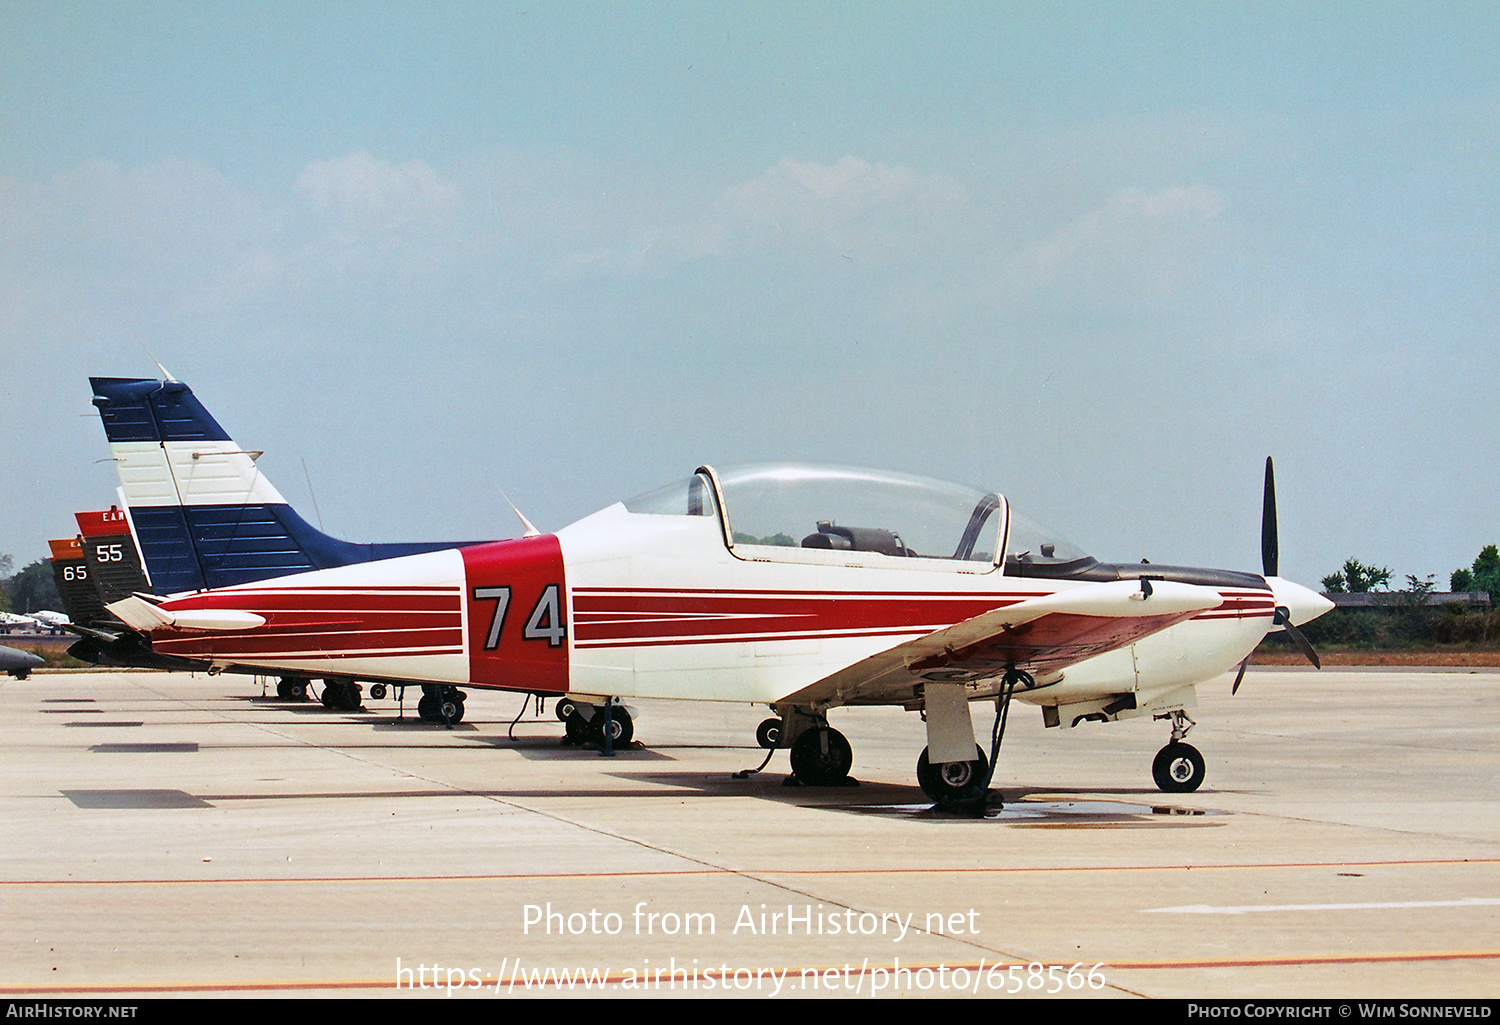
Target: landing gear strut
964,787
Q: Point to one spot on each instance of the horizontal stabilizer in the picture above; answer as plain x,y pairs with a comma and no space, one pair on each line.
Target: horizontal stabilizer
139,614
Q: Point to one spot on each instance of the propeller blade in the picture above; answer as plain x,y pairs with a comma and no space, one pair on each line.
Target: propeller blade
1269,552
1283,619
1238,677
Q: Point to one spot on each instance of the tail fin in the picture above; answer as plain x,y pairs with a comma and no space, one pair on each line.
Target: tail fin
79,598
99,566
102,565
203,513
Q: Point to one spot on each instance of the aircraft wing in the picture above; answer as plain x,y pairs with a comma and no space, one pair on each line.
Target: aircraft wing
1039,635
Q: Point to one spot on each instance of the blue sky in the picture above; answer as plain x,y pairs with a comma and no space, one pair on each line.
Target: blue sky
1104,257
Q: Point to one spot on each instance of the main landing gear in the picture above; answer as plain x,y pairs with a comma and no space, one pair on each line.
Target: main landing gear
768,733
963,787
822,757
291,688
340,695
1178,768
609,728
954,782
441,705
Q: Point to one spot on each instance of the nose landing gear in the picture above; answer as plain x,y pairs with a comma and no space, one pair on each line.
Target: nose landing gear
1178,768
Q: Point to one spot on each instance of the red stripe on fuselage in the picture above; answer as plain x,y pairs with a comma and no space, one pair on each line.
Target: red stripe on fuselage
604,617
1242,605
323,622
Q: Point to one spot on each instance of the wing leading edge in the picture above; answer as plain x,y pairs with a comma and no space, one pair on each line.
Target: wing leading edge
1039,635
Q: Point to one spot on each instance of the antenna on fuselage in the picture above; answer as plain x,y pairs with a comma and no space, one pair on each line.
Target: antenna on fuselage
530,531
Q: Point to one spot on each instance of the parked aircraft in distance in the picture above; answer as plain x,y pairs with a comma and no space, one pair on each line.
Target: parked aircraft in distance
10,621
901,590
18,663
56,622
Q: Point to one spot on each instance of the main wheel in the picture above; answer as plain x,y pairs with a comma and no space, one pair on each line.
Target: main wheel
952,780
377,691
564,708
296,689
768,734
621,729
822,757
1178,769
448,709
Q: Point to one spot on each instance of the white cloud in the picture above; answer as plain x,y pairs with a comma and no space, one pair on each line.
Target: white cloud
1140,240
800,208
375,192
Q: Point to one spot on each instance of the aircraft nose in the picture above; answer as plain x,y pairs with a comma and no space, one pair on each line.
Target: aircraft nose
1303,604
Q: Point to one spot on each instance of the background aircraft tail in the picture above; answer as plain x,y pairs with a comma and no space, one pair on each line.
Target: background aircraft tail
79,598
99,566
203,514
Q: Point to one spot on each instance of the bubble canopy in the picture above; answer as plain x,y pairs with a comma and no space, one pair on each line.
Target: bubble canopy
840,508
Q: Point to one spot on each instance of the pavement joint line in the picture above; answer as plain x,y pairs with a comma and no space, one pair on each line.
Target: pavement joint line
754,874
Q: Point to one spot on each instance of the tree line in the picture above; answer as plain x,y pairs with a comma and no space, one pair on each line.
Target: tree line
33,589
1358,578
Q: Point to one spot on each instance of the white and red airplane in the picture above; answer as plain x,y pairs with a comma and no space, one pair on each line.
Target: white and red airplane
804,588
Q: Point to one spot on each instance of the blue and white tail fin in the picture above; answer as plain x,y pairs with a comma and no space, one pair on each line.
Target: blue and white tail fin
203,513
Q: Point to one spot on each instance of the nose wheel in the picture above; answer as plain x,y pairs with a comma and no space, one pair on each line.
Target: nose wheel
1178,769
